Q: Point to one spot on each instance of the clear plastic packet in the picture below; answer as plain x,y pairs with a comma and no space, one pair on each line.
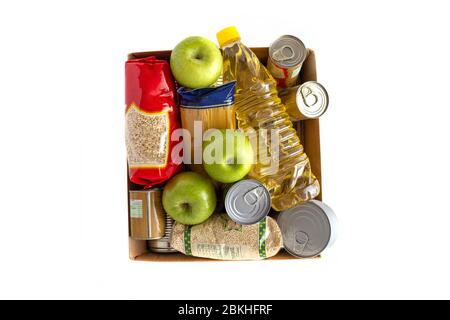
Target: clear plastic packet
210,108
223,239
151,115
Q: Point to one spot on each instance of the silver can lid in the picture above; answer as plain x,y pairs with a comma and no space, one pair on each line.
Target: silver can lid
247,202
312,99
161,246
308,229
287,51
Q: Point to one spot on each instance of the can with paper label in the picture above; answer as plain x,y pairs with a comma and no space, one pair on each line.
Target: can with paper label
163,245
247,202
286,57
146,214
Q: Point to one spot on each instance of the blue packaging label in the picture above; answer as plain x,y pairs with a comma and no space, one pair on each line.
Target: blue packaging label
211,97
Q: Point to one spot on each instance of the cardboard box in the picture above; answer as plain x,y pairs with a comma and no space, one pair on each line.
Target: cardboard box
309,133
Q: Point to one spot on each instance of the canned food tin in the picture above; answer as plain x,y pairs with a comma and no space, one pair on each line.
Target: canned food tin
146,214
308,229
163,245
307,101
286,56
247,202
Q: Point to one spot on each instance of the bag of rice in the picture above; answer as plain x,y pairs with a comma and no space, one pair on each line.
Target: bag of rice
151,115
221,238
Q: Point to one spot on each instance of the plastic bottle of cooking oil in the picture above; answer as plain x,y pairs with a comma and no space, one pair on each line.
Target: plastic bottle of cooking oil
258,106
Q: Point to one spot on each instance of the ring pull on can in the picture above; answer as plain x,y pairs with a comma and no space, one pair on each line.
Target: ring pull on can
247,202
253,196
306,101
286,57
279,55
301,241
308,229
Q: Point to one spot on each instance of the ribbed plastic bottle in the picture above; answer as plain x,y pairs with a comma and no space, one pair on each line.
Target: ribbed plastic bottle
258,106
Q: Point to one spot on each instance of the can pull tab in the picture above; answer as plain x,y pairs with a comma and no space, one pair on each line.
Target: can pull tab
253,196
284,53
309,98
301,240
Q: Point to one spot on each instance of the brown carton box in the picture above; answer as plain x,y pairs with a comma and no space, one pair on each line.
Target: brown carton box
309,133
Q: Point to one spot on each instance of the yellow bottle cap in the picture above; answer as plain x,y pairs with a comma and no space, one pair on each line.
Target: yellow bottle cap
227,35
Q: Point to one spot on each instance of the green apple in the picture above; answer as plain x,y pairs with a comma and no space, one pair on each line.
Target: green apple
227,155
189,198
196,62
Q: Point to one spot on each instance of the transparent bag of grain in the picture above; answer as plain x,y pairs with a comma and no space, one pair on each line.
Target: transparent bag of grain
223,239
151,115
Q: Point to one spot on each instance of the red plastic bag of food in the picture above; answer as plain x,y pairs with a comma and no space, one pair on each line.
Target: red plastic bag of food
151,115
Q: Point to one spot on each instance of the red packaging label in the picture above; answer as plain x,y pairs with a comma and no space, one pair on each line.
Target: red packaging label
151,115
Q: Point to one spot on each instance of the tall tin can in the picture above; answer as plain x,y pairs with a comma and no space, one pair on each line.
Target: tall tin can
146,214
286,57
163,245
308,229
307,101
247,202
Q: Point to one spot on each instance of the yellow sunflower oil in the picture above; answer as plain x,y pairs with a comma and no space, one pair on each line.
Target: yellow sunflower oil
288,177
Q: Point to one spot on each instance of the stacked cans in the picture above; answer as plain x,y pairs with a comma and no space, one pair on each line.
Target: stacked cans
162,245
148,221
306,101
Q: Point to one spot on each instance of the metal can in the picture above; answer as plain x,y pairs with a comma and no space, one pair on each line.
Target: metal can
286,57
307,101
247,202
308,229
163,245
146,214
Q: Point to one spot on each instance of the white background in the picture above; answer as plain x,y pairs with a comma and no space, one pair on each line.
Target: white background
63,223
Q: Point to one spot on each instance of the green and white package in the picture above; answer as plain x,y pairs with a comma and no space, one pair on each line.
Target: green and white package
221,238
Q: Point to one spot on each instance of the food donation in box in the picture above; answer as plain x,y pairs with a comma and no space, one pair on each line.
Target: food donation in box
248,188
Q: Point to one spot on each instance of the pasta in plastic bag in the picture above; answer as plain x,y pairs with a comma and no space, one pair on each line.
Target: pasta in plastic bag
212,108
